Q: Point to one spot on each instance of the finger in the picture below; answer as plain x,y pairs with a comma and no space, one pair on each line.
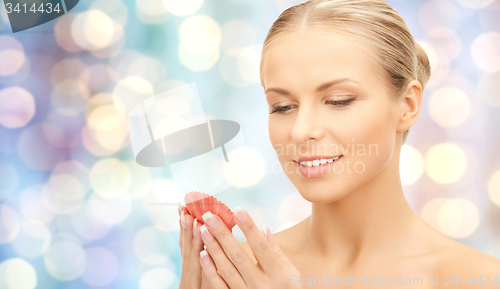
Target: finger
187,234
230,272
196,248
209,272
257,241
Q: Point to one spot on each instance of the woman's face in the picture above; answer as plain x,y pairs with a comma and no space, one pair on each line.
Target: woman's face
357,119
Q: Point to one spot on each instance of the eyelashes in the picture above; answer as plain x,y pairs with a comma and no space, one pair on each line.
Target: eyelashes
285,108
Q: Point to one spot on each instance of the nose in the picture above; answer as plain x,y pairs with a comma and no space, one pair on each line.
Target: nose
308,125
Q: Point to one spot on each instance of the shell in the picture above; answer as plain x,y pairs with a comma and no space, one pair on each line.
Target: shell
198,203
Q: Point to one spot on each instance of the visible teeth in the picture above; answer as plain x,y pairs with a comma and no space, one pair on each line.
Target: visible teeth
318,162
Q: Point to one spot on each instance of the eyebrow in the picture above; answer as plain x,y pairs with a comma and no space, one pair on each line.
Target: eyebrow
319,88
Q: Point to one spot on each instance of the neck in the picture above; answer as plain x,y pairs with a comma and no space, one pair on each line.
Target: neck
369,222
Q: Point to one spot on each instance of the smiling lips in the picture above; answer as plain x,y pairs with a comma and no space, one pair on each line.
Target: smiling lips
316,160
316,166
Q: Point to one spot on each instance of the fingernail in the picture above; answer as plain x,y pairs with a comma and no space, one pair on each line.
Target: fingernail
210,220
194,227
179,209
267,232
205,259
183,223
207,237
240,214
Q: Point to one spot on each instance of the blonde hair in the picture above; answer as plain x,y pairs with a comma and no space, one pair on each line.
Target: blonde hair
373,24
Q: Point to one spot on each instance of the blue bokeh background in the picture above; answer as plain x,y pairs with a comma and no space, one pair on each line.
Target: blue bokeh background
74,206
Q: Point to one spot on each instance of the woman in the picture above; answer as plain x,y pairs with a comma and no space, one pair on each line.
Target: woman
344,81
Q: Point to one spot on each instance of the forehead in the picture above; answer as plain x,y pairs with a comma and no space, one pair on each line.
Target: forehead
307,58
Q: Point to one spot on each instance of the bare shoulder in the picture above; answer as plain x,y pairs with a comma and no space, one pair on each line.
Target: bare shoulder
459,259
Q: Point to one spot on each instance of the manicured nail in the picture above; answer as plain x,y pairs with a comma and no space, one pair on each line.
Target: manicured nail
207,237
205,259
210,220
183,223
240,214
267,232
179,210
194,227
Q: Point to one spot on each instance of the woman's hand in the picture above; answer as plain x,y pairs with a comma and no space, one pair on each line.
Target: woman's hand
191,247
233,266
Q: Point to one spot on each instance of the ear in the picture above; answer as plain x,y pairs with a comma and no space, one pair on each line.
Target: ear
411,104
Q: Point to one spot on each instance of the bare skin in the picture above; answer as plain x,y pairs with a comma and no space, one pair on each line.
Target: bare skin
361,223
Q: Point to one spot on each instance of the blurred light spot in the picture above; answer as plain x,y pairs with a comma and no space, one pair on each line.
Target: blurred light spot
33,239
131,91
102,267
70,97
64,194
63,33
115,9
487,88
411,165
430,212
151,11
36,152
33,205
110,178
10,179
439,13
147,68
163,191
494,188
93,29
153,246
65,260
98,100
17,107
115,46
200,37
182,8
142,181
62,131
475,4
228,68
109,211
9,224
447,40
458,218
246,168
16,273
489,17
158,278
12,55
486,51
445,163
249,62
110,127
100,78
69,68
75,169
449,107
294,208
236,34
87,225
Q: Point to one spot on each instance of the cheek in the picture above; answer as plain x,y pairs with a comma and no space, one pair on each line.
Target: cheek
278,133
369,135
